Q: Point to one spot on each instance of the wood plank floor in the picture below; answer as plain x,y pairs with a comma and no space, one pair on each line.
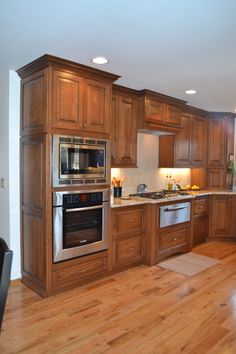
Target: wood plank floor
145,310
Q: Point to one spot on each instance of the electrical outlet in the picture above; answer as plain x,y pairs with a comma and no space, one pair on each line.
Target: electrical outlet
2,183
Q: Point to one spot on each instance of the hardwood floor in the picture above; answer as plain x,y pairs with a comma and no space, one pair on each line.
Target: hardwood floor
145,310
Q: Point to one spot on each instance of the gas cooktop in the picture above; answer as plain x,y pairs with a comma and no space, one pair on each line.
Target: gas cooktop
160,194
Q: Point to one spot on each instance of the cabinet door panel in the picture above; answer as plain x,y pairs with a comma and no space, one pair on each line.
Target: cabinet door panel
215,178
221,216
128,221
155,111
200,230
198,141
182,143
216,142
97,107
124,134
173,114
67,100
127,251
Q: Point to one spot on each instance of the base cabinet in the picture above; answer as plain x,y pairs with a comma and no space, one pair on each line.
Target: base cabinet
221,216
127,233
200,220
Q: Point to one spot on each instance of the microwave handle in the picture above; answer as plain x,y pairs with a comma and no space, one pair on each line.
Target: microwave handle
82,209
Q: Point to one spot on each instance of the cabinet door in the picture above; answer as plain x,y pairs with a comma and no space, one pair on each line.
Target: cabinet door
221,215
67,100
216,142
127,251
97,110
182,143
124,132
200,230
198,142
155,111
128,221
173,115
215,178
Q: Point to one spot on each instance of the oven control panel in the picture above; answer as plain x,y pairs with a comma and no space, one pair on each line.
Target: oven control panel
82,199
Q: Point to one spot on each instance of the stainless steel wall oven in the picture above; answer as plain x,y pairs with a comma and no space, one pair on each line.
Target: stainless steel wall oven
80,161
80,223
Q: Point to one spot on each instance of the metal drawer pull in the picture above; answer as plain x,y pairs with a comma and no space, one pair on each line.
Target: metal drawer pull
175,239
130,249
81,270
184,207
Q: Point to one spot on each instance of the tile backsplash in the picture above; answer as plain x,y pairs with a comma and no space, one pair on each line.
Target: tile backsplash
148,171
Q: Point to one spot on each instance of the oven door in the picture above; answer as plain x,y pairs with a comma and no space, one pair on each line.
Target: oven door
80,231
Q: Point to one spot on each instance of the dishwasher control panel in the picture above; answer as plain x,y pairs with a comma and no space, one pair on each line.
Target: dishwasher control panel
174,214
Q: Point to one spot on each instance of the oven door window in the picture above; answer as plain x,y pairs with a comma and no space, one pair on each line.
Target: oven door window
81,161
82,227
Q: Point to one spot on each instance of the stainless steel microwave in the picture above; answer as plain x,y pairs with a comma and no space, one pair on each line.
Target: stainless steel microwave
80,161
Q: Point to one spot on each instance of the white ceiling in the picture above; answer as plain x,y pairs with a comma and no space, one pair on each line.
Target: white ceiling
163,45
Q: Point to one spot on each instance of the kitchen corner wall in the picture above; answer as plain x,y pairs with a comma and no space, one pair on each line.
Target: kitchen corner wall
148,171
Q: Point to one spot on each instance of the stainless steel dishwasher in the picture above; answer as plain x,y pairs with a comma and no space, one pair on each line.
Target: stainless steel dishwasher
174,214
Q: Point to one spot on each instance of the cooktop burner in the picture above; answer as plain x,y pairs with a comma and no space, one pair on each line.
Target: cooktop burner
160,194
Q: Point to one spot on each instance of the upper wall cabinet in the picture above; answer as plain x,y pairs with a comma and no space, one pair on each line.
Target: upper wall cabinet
188,147
60,94
124,127
159,112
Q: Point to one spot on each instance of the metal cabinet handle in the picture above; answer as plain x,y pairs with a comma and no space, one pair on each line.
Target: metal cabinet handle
175,239
81,209
130,249
167,209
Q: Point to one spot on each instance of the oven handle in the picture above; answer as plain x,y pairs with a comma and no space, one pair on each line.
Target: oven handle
180,208
85,208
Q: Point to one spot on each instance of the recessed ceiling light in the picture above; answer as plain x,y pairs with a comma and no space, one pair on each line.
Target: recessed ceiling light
99,60
190,92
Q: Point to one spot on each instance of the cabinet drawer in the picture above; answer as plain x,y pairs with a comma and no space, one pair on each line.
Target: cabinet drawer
173,238
127,251
200,206
128,221
68,276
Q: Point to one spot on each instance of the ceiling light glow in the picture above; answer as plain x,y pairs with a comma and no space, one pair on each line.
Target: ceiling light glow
190,92
99,60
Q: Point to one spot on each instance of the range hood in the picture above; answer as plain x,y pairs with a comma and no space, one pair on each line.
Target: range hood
154,132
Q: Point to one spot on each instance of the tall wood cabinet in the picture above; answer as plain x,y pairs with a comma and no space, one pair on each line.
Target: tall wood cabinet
220,146
124,127
57,97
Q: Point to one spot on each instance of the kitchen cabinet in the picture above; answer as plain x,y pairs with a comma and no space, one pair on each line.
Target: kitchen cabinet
60,94
200,220
80,103
159,112
220,147
57,97
127,230
221,216
188,147
168,240
124,127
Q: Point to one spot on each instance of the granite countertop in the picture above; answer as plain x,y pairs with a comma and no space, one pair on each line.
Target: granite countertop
129,201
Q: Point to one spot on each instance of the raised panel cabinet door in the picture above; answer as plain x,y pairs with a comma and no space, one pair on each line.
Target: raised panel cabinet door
67,100
198,150
200,230
34,102
155,111
127,251
173,115
128,221
97,100
221,215
216,142
215,178
182,143
124,134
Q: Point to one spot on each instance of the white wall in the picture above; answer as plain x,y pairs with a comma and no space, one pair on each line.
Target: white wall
14,185
4,156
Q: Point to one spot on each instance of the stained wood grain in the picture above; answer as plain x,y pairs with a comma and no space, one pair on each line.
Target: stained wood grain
141,310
